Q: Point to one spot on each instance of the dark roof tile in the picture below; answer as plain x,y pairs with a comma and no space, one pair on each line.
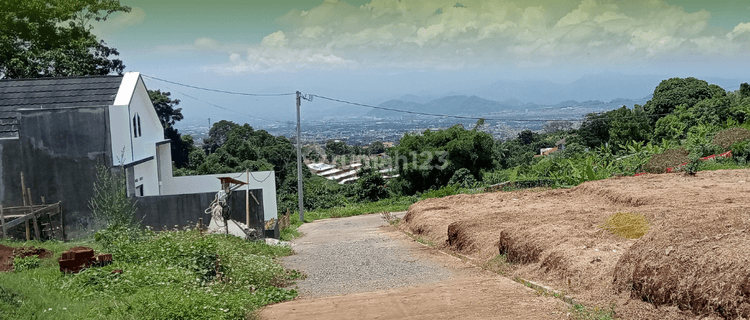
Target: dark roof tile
58,92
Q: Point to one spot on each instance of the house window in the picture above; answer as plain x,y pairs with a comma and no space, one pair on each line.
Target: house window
139,191
137,126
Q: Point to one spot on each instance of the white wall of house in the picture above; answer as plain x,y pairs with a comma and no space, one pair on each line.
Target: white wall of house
146,175
132,100
264,180
151,130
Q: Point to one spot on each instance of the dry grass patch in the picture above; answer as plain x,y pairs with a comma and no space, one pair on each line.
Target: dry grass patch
627,225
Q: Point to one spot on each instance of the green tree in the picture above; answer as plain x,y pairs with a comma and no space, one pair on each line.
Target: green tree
168,116
676,91
337,148
627,125
526,137
429,160
594,130
217,135
48,38
745,90
370,185
377,147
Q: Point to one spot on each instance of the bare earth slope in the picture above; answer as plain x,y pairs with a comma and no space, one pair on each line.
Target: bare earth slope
692,263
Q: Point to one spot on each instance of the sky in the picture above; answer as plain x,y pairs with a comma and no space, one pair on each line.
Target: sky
370,51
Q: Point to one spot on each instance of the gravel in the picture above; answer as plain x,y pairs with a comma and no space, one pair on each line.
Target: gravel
348,255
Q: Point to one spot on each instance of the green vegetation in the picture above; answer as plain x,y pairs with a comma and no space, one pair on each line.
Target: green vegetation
581,312
52,38
167,275
499,264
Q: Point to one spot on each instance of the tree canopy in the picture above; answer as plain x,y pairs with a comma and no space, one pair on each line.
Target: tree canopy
48,38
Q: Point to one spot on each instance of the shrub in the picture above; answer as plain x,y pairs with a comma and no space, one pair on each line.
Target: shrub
669,159
463,178
729,137
627,225
741,150
110,204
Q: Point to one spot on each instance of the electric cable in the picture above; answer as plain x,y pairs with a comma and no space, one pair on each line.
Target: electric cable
222,91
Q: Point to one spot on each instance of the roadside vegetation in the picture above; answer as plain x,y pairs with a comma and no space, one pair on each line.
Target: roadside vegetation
176,274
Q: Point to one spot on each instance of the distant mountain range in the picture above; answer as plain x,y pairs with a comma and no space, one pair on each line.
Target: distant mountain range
475,106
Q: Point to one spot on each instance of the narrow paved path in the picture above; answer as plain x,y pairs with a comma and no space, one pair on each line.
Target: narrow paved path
349,255
362,268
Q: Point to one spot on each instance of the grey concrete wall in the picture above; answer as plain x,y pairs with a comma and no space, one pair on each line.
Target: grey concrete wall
57,151
185,209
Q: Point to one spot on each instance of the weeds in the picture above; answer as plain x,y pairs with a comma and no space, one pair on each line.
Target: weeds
581,312
25,263
499,264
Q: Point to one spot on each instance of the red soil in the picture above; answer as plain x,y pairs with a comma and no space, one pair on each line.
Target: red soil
8,253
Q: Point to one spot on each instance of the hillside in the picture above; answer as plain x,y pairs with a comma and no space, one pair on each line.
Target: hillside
693,262
476,106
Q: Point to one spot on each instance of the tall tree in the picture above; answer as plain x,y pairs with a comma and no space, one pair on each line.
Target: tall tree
676,91
48,38
168,115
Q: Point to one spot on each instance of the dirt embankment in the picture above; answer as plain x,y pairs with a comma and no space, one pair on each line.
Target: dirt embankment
693,262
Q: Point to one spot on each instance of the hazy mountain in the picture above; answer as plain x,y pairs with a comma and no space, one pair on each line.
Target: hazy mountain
473,105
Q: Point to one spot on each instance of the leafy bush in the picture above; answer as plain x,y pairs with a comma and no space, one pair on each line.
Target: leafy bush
668,159
741,150
463,178
729,137
25,263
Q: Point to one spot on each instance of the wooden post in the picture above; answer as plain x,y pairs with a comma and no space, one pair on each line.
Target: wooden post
33,215
62,221
25,203
2,220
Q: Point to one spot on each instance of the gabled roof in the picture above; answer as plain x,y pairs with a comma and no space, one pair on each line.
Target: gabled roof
50,93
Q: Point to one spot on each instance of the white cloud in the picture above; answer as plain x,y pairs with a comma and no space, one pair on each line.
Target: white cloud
438,34
739,30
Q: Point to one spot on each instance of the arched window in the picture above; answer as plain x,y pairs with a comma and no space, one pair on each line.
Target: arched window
137,126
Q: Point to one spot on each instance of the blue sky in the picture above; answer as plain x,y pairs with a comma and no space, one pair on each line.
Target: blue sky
371,51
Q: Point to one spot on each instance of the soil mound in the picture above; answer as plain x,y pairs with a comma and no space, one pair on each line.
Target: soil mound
8,253
698,265
556,237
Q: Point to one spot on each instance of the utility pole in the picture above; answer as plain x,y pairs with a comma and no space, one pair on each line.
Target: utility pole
299,163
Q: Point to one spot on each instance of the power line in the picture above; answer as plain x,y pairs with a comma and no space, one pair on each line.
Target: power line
223,108
310,96
223,91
